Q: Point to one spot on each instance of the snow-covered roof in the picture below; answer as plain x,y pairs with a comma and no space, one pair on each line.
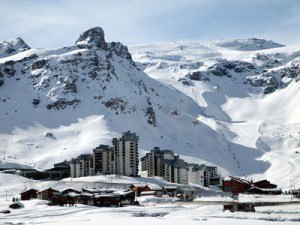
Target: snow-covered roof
148,193
266,189
154,187
141,185
169,187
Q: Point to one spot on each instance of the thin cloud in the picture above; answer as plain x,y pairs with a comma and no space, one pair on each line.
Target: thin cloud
58,23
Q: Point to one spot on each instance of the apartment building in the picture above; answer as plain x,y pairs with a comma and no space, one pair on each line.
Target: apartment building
126,155
120,159
82,166
166,164
103,160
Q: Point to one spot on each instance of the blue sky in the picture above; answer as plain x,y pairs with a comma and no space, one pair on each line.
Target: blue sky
57,23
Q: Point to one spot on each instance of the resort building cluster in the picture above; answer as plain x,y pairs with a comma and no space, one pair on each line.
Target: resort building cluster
122,158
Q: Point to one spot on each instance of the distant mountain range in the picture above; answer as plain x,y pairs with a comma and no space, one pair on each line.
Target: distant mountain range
231,103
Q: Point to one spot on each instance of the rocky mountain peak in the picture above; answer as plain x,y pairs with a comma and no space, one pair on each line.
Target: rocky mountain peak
12,46
92,38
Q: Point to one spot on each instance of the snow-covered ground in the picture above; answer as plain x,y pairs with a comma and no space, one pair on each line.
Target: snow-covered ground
152,210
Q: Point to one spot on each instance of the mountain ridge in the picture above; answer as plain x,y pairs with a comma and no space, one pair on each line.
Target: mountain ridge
182,98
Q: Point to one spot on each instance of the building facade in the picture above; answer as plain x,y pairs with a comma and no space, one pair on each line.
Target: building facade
121,158
82,166
126,154
164,163
103,160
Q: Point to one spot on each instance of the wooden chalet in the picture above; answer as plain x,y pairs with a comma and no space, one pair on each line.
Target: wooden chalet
158,191
170,190
87,198
29,194
264,184
137,188
70,199
235,185
46,194
264,191
69,190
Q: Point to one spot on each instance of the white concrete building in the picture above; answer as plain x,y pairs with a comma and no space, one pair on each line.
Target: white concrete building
82,166
126,154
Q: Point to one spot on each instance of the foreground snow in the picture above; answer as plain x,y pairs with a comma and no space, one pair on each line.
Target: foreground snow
152,210
167,212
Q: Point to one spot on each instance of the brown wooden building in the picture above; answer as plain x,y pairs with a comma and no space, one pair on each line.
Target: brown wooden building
264,184
235,185
46,194
137,188
29,194
264,191
154,187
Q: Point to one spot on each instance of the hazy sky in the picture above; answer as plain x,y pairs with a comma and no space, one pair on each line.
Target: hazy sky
57,23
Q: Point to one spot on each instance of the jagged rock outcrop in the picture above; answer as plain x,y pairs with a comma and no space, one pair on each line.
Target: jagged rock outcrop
13,46
268,82
150,113
92,38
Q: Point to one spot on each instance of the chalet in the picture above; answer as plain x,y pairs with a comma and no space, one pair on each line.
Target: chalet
158,191
29,194
170,190
137,188
107,200
70,198
126,197
264,191
264,184
46,194
235,185
87,198
69,191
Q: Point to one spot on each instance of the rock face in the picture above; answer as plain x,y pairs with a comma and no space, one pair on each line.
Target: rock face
92,38
90,71
13,46
267,82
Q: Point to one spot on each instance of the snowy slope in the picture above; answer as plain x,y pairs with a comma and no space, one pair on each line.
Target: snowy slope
57,104
248,92
213,103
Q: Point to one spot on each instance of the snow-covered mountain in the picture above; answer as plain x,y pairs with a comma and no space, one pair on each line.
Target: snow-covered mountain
227,103
247,91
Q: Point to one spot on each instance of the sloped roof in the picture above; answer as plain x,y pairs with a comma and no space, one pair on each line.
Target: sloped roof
154,187
237,179
31,189
141,185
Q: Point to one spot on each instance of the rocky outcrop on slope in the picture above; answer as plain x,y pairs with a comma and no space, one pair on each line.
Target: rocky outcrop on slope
248,44
13,46
268,82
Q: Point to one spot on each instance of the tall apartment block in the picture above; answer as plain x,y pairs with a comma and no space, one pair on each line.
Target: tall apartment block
103,160
126,154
